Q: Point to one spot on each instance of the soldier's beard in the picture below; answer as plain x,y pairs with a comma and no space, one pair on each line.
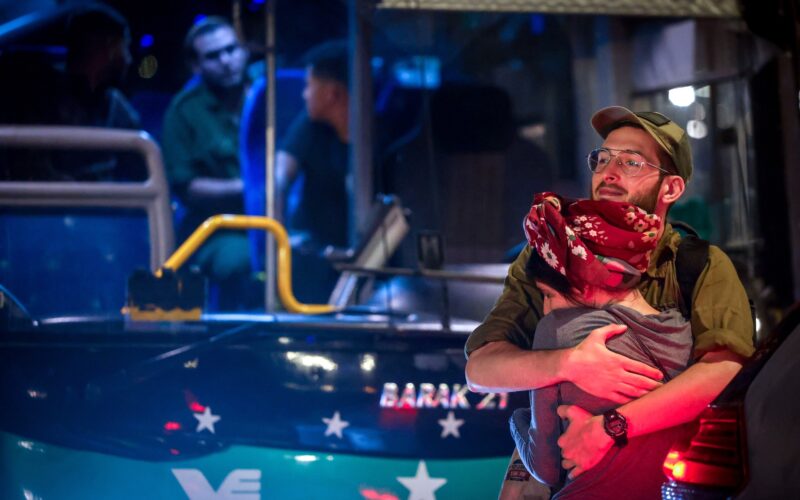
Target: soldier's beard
646,201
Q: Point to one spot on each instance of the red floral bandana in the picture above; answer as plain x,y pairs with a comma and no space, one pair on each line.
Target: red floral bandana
600,243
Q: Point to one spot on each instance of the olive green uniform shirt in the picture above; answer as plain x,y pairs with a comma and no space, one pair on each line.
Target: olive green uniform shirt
200,138
721,316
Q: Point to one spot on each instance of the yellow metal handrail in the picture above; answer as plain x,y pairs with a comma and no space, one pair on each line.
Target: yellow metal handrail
207,228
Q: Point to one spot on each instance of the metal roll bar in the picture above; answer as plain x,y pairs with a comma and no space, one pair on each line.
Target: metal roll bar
152,195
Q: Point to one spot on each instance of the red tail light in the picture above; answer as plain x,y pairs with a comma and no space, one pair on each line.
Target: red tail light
714,456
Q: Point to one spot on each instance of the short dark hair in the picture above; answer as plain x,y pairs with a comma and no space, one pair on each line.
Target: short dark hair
89,23
537,269
203,26
330,61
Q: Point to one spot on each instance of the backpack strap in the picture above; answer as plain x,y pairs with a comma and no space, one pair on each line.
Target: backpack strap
690,261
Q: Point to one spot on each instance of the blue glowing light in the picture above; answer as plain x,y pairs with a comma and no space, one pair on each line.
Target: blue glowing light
255,5
537,24
146,41
198,18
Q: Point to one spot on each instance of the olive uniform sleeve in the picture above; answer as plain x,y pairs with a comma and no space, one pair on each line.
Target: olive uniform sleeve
515,314
176,145
721,315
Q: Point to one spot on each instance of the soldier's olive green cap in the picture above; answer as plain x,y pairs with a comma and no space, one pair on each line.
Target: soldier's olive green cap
668,134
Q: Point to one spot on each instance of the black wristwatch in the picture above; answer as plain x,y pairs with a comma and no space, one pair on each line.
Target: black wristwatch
616,426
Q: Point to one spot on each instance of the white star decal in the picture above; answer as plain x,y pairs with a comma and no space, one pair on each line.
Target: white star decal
450,425
335,425
206,420
422,486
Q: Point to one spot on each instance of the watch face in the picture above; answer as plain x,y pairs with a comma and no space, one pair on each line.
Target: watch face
616,426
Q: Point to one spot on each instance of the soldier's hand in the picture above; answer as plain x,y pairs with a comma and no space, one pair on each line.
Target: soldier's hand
584,443
594,368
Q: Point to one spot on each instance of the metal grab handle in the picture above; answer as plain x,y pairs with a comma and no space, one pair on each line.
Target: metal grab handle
207,228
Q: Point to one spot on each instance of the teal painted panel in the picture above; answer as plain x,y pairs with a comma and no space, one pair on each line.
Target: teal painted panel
32,469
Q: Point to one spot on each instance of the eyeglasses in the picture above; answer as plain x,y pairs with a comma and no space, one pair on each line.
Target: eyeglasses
214,55
630,162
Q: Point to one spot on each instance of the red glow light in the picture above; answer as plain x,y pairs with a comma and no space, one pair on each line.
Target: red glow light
173,451
679,469
172,426
372,494
672,457
196,407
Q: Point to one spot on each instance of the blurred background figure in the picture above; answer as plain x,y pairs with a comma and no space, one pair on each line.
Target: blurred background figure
98,58
311,170
85,93
316,149
201,152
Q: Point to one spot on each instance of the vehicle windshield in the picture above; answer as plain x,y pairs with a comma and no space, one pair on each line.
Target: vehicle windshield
461,116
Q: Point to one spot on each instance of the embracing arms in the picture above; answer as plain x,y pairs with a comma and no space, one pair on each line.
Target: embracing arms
722,327
500,359
680,400
503,367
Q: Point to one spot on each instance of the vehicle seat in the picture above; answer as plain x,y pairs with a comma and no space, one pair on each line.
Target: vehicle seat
467,174
252,143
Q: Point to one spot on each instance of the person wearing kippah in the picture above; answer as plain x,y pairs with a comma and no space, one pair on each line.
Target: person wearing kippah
200,141
644,160
587,259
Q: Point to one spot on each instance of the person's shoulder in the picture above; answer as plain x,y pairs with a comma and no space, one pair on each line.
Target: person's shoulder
181,107
572,316
717,257
192,92
304,132
716,251
671,318
567,327
301,121
124,114
304,124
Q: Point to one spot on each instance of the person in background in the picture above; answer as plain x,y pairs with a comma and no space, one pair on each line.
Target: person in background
86,93
200,141
645,160
312,162
98,59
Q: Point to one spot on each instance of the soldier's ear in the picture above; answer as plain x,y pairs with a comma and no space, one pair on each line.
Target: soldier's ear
672,188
